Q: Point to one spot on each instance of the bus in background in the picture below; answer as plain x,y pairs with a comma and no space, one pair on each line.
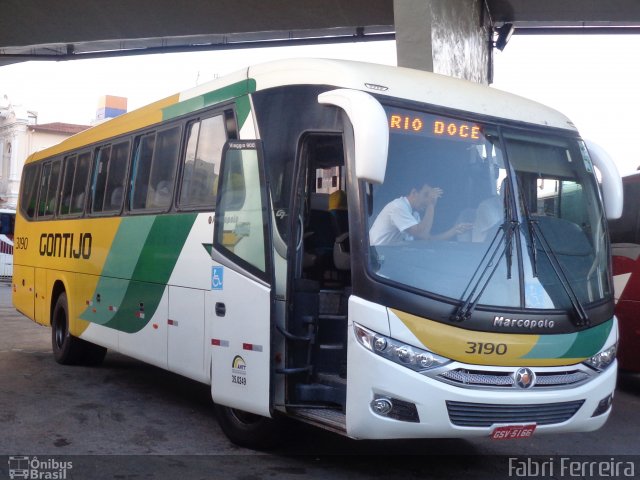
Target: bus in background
625,249
7,223
230,233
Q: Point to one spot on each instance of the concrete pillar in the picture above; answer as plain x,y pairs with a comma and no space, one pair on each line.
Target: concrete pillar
451,37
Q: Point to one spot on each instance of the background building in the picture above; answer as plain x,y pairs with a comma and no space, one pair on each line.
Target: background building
21,135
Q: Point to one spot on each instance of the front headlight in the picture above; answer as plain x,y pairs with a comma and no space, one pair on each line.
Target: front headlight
416,359
602,359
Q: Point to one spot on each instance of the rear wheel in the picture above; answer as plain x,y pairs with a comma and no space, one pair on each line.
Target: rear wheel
247,429
67,349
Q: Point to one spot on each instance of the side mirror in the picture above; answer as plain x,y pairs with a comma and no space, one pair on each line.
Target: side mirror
611,181
370,131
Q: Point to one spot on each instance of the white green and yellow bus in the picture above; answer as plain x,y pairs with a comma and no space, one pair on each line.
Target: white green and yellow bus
224,234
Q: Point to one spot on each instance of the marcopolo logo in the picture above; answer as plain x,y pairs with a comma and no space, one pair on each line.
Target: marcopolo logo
499,321
38,469
66,245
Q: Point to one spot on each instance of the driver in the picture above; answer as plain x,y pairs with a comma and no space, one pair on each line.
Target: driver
411,217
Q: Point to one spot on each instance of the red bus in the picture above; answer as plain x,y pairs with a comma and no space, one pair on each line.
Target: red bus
625,249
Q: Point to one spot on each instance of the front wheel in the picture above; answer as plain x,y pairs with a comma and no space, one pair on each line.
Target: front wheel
247,429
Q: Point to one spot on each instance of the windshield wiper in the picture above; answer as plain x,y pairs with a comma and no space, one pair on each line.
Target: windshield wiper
534,248
582,319
536,233
491,261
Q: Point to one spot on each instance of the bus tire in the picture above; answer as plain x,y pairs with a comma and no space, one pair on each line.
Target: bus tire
67,349
248,429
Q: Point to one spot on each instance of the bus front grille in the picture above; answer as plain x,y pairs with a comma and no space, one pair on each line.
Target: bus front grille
503,379
465,414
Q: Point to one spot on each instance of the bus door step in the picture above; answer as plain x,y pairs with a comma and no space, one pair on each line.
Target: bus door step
329,419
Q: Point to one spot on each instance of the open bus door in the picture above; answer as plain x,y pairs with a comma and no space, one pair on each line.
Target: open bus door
241,296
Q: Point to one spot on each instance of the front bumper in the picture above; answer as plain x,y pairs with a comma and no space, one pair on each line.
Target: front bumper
372,376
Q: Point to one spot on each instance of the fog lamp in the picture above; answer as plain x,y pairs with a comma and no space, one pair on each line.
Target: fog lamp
395,408
603,406
382,406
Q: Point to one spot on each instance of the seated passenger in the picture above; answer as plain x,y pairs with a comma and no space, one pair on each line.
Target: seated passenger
411,217
489,216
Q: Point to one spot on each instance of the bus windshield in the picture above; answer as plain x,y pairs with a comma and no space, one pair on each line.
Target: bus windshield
487,215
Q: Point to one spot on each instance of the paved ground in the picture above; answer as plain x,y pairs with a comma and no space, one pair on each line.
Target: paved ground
126,419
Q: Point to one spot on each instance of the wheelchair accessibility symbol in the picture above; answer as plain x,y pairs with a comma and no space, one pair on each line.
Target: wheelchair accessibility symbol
216,278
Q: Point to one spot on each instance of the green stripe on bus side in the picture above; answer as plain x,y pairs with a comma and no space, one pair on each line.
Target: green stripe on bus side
118,267
236,90
182,108
152,271
136,296
210,98
163,246
127,246
140,303
243,108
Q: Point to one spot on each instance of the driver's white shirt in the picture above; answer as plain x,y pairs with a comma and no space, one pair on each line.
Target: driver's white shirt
392,222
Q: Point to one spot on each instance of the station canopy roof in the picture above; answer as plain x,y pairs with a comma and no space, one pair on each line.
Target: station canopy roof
74,29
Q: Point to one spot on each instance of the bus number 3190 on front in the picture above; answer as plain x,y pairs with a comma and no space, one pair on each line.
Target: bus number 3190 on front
481,348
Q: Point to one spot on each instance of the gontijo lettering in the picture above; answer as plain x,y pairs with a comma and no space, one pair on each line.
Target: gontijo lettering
66,245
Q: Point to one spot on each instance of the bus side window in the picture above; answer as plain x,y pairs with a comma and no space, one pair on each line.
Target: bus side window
205,140
99,179
28,195
49,189
108,181
154,166
80,183
163,169
74,183
141,171
67,184
117,175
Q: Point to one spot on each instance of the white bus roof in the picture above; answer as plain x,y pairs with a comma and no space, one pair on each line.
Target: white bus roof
402,83
398,82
